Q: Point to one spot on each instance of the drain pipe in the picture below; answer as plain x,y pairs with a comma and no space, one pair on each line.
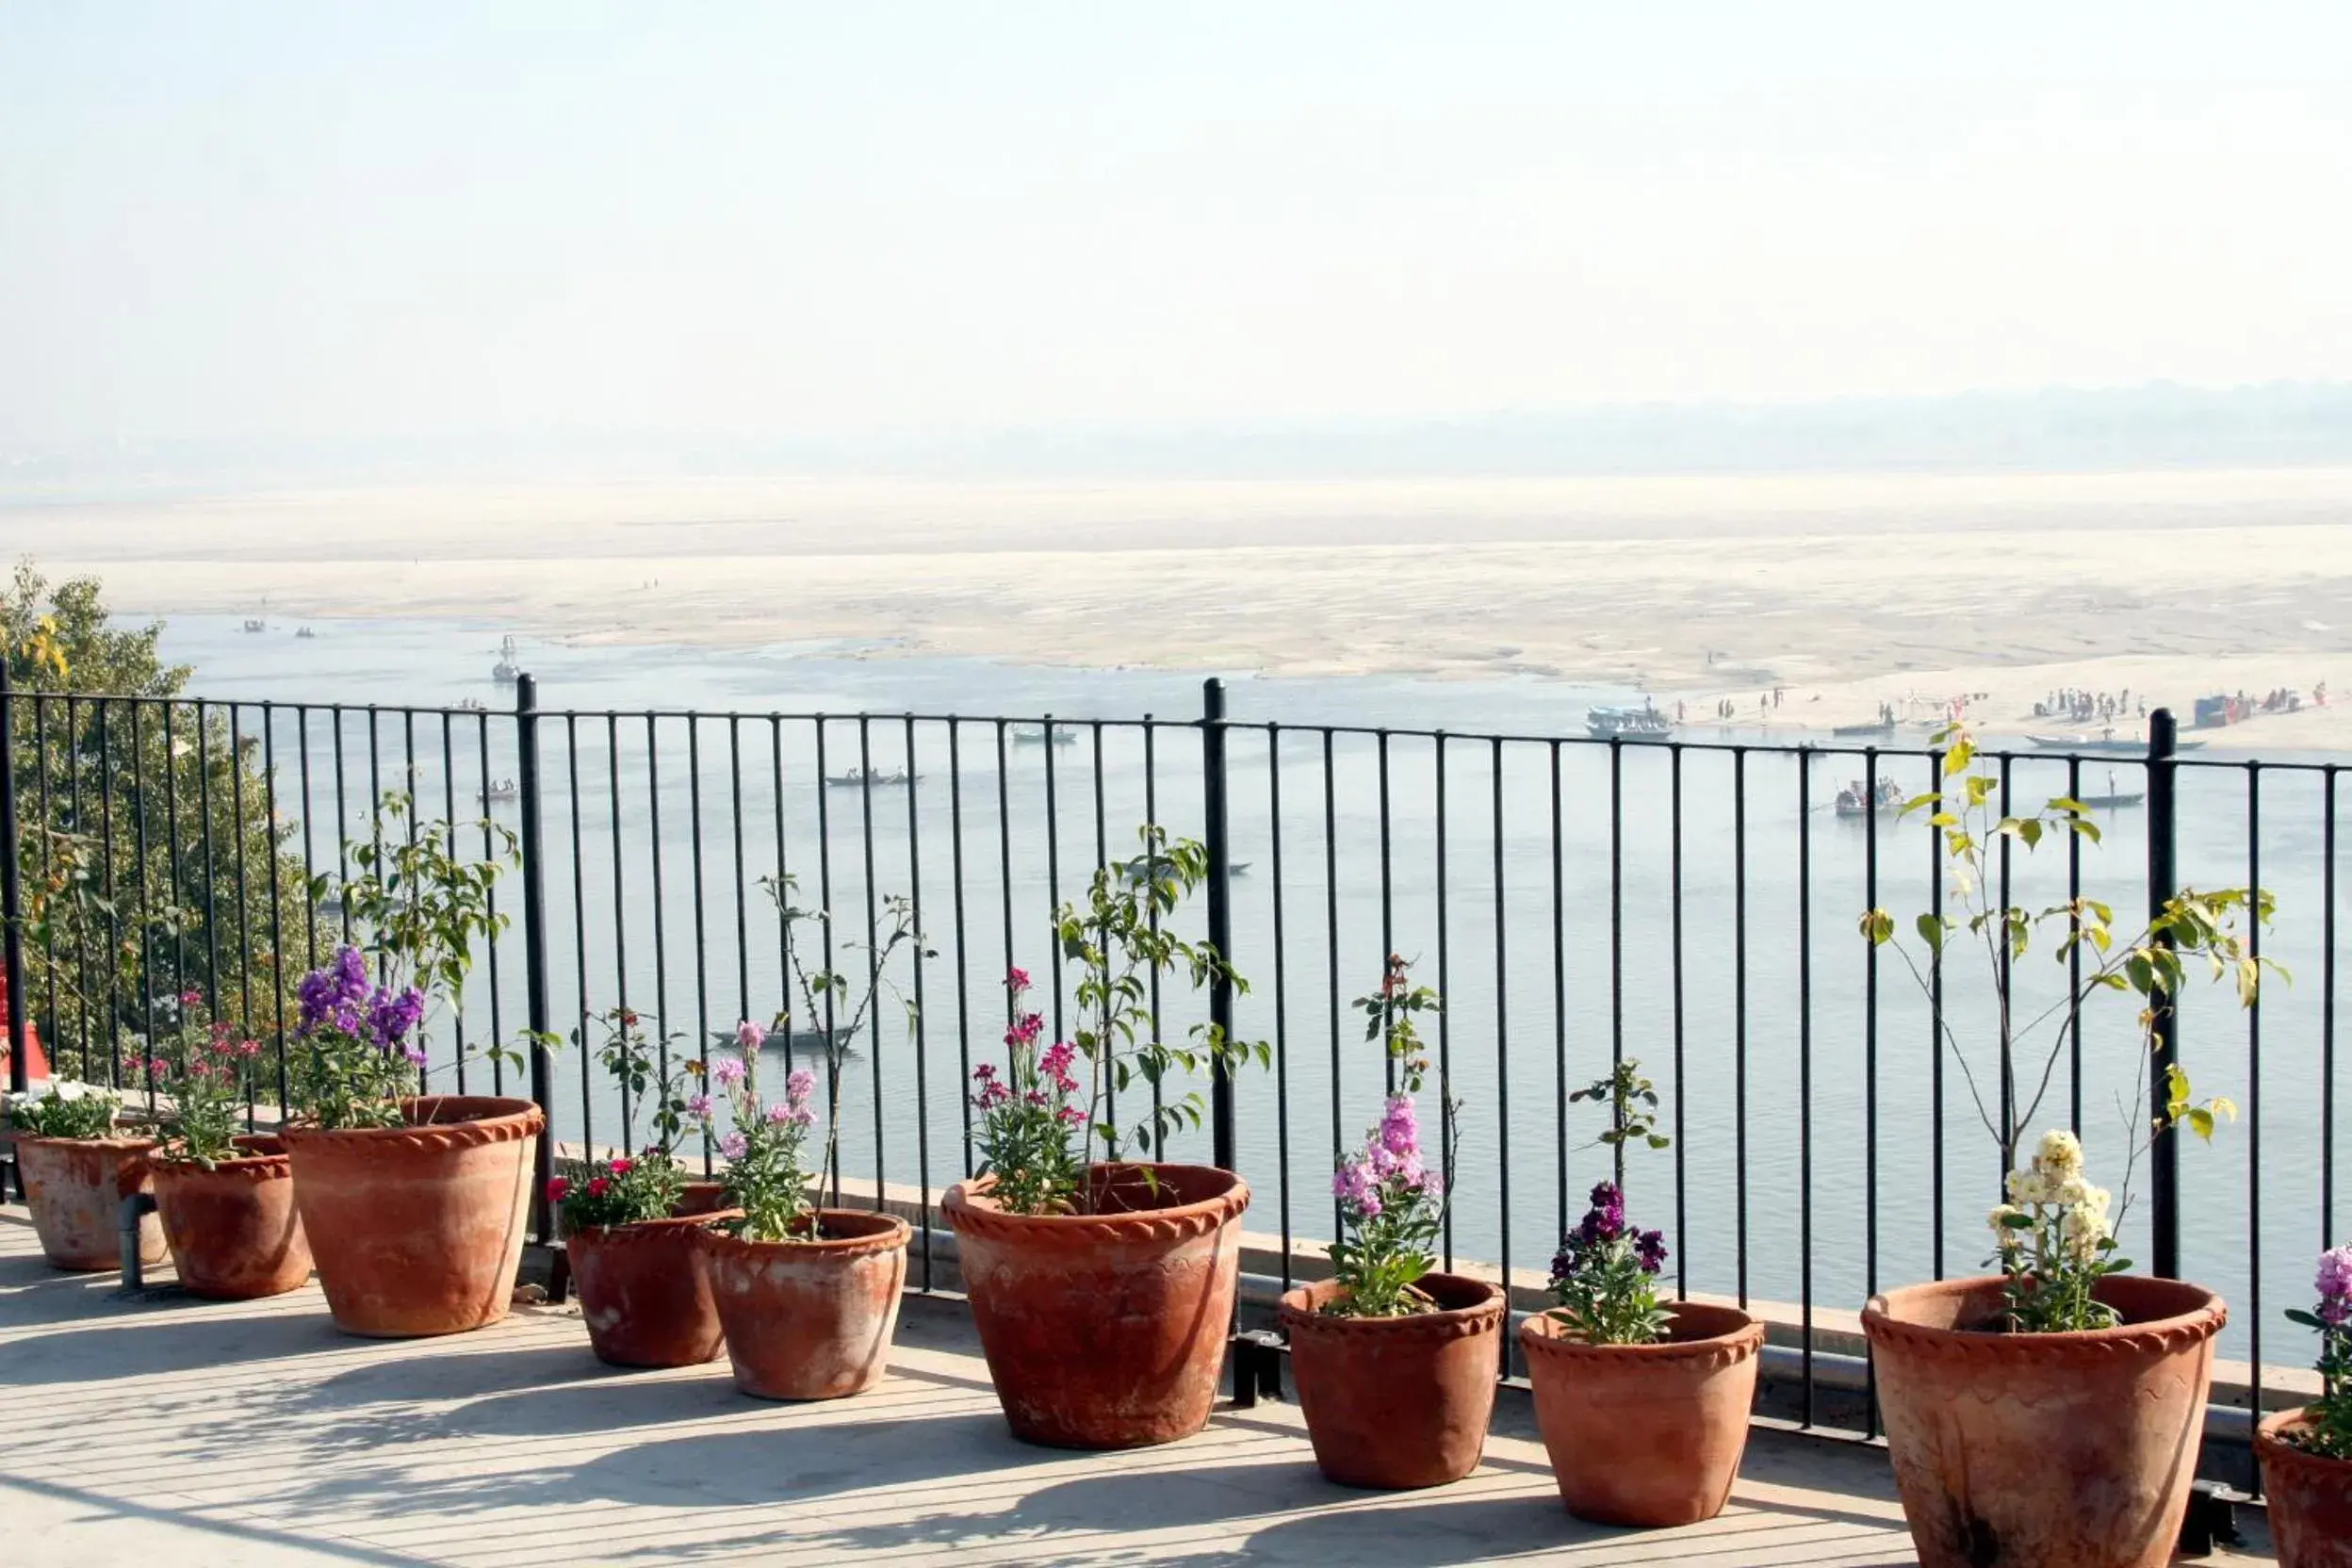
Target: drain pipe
134,1208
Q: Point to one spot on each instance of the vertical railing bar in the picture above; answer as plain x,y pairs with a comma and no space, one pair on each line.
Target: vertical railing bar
1217,830
1388,891
1870,1079
177,886
144,921
1617,941
490,901
449,814
1935,1015
824,938
874,962
2164,1157
742,873
659,912
12,912
1682,1212
1739,1007
342,827
2008,1067
540,1010
277,901
702,921
47,820
244,918
1005,863
2254,1089
1053,866
1281,1011
203,850
579,938
963,978
920,1027
620,923
1805,1072
81,927
1331,916
2327,1021
783,880
2074,956
114,911
1151,814
1444,988
1502,1051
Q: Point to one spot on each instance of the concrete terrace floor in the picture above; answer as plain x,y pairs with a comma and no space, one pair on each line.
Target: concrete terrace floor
168,1430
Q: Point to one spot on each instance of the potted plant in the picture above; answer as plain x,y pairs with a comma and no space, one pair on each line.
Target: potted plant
225,1198
2049,1415
1395,1364
76,1170
1104,1289
630,1222
807,1295
2306,1454
415,1204
1643,1404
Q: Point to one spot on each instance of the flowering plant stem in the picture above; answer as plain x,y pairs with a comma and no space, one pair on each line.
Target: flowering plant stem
209,1072
825,993
1392,1206
1605,1277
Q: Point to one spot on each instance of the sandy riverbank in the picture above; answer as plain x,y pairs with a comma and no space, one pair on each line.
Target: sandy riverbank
1843,591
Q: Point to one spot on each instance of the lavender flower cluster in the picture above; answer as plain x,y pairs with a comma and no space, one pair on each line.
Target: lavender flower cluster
1603,1224
340,998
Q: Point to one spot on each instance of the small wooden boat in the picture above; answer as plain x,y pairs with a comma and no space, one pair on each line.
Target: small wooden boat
1857,800
1627,723
860,778
509,669
1034,735
2105,743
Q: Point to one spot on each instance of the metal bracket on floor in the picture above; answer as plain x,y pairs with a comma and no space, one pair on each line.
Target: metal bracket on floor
134,1208
2212,1520
1257,1367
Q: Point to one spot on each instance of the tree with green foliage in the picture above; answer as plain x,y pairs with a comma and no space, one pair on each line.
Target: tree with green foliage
153,861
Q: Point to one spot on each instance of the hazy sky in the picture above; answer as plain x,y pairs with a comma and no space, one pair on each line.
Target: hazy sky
310,219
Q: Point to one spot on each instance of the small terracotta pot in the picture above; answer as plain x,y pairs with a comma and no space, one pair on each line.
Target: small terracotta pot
1646,1434
2065,1450
810,1319
1397,1402
75,1188
2310,1498
1105,1329
234,1230
645,1298
418,1229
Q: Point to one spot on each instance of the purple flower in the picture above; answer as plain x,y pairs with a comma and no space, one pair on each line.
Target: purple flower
2335,1271
415,1054
391,1015
699,1106
1357,1188
800,1085
733,1145
1401,1132
781,1112
1651,1247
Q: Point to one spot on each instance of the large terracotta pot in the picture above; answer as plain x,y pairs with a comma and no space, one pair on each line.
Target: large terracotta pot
811,1319
1646,1434
2066,1451
233,1229
643,1296
1397,1402
1105,1329
418,1229
75,1188
2310,1498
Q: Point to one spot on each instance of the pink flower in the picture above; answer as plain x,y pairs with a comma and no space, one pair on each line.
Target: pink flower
728,1072
192,998
1026,1031
199,1069
733,1145
622,1168
2335,1271
800,1085
1015,979
991,1095
159,1068
557,1187
750,1036
597,1186
1400,1131
1070,1116
249,1048
1357,1189
699,1106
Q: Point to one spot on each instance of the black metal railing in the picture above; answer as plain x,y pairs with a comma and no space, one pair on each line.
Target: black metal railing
1579,902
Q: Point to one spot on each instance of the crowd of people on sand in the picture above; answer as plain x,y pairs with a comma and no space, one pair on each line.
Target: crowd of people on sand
2072,702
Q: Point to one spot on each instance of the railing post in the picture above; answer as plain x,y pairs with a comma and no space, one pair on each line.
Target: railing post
1221,1140
535,945
12,891
2163,879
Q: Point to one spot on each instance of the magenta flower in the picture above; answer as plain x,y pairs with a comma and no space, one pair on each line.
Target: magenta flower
733,1145
1357,1188
699,1106
749,1038
1015,979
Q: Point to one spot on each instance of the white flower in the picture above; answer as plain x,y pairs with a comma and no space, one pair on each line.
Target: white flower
1998,1219
2073,1190
2087,1225
2061,1153
2029,1187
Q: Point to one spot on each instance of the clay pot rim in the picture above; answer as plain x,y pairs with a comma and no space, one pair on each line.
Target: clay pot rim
132,1145
2271,1445
258,1167
969,1208
2201,1315
667,1225
1300,1313
891,1235
1740,1337
492,1119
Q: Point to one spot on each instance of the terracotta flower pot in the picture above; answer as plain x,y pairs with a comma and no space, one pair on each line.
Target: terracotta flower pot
234,1230
2310,1498
1397,1402
1105,1329
1646,1434
811,1319
418,1229
75,1188
2065,1451
643,1298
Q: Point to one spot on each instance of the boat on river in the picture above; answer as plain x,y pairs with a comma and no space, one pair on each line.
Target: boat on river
859,777
1859,800
1034,735
2105,743
1644,723
509,669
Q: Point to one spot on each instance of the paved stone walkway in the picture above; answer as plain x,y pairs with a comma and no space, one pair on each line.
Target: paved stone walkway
173,1432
